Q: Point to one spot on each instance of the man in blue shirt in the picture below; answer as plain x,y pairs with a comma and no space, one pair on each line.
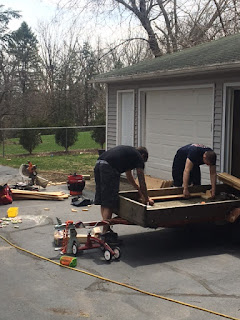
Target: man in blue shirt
186,166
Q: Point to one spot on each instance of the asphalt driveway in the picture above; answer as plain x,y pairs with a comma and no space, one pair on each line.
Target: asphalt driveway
200,267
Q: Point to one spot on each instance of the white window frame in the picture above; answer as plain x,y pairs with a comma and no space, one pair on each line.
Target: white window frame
119,111
227,123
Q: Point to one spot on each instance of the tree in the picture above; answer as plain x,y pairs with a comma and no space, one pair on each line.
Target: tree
29,139
66,137
5,17
7,67
23,50
99,134
170,26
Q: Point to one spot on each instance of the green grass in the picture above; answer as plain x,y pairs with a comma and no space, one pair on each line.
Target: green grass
81,162
12,146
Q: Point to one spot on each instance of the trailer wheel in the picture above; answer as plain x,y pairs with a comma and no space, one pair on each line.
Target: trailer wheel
107,255
74,248
117,252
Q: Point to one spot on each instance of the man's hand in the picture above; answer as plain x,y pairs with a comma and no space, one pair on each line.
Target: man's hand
150,201
212,194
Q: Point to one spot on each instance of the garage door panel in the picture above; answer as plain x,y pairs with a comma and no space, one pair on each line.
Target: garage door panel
172,127
203,130
175,118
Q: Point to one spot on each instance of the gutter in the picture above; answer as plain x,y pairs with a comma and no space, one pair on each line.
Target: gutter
216,68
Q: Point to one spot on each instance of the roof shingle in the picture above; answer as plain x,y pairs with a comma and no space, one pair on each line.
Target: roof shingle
217,52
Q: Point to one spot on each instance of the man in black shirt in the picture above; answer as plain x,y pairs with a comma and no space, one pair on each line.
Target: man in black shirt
186,166
107,173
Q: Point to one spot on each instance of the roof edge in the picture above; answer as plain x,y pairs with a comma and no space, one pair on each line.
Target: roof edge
171,73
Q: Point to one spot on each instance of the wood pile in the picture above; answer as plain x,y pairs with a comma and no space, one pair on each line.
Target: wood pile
229,179
37,195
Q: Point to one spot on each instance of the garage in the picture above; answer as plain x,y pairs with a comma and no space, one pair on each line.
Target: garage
176,117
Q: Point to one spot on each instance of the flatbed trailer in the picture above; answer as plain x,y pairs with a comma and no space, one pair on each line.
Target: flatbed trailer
170,209
176,212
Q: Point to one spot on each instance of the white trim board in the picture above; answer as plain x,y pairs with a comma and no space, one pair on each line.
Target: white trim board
228,85
118,122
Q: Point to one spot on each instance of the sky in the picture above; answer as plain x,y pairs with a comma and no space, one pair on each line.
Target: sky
31,10
88,26
35,11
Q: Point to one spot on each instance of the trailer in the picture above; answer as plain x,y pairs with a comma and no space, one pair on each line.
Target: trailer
171,209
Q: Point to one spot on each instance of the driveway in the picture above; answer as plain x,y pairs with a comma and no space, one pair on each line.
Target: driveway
199,267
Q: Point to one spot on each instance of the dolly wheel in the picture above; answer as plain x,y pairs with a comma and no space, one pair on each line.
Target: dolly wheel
117,252
74,248
107,255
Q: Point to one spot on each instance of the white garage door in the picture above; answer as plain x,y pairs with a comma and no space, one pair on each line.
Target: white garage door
175,118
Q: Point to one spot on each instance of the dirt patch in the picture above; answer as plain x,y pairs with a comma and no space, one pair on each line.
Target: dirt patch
54,176
61,177
61,153
57,177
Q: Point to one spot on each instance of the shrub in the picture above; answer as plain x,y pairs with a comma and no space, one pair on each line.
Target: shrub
29,139
66,137
99,134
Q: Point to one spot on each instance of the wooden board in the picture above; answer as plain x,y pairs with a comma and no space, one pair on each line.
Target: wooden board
176,196
229,179
27,194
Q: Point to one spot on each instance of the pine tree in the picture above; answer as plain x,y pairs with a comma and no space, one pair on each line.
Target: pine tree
22,47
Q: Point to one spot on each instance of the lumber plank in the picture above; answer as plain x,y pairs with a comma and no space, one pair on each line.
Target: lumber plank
27,194
86,176
229,179
176,196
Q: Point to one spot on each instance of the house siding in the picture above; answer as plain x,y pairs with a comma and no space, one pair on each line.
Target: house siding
217,81
217,121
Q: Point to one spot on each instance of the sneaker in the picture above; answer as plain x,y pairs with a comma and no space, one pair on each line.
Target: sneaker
109,237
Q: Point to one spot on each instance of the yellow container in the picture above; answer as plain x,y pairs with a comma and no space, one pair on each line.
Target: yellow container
12,212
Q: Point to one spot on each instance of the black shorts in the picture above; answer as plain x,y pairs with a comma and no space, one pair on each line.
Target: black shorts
107,181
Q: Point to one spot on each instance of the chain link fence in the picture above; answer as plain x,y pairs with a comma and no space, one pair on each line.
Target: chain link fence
85,140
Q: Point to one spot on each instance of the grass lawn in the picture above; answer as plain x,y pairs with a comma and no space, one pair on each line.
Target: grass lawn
80,162
84,141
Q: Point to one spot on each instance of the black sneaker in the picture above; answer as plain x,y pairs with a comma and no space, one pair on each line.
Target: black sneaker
110,237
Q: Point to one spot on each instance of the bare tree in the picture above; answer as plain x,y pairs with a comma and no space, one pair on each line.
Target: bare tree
170,25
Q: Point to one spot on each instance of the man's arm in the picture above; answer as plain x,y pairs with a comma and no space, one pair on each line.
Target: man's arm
143,188
213,179
186,175
131,180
